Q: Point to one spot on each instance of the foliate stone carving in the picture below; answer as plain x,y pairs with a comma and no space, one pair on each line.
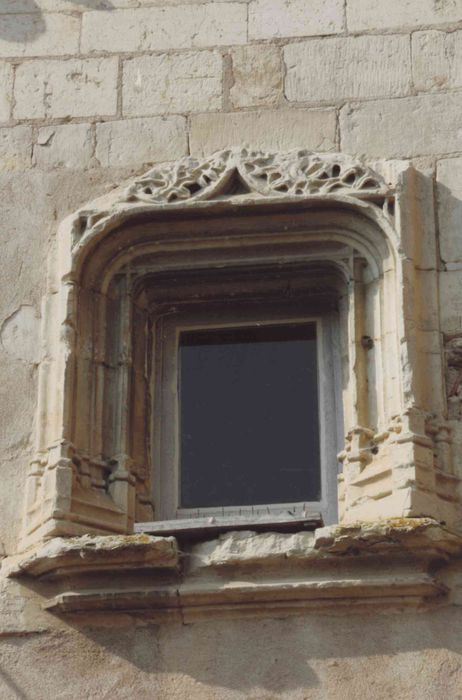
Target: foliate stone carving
296,173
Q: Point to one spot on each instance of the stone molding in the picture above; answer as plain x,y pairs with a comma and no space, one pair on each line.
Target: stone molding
383,565
371,222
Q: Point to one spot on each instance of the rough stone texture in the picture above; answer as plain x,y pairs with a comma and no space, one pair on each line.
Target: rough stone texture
283,18
437,60
211,24
404,127
6,90
172,83
451,305
15,148
20,335
311,656
449,178
257,76
268,130
337,69
65,146
37,35
65,89
136,142
401,13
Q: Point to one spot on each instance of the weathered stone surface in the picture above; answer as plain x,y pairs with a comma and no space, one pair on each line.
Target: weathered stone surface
135,142
361,15
15,148
172,83
6,90
437,60
404,127
449,178
451,301
281,18
211,24
257,76
37,35
356,67
249,548
268,130
98,554
20,335
66,146
74,88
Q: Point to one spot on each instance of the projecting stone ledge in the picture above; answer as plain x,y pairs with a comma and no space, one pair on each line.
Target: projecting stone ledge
381,564
97,554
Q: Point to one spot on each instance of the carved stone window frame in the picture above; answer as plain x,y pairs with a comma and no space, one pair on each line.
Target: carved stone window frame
91,475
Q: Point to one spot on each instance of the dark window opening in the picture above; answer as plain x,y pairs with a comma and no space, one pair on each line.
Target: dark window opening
249,416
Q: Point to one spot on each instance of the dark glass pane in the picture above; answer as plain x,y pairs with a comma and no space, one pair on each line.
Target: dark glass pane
249,416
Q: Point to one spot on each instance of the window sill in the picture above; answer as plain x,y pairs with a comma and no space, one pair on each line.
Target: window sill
384,564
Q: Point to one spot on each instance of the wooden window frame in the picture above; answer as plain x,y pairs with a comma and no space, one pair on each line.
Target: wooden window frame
169,321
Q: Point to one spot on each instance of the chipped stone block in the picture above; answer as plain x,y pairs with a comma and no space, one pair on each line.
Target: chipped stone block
437,60
257,74
38,35
98,554
355,67
403,127
363,15
74,88
183,27
172,83
15,148
449,179
138,141
280,18
66,146
267,130
6,90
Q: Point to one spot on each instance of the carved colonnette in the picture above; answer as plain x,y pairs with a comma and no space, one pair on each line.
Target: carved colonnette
93,470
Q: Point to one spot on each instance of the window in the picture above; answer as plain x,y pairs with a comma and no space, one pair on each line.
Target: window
245,385
232,241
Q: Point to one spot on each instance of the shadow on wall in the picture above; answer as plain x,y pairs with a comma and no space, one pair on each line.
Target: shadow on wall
312,656
27,22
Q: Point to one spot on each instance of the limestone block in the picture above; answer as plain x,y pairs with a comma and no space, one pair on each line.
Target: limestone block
257,74
212,24
66,146
74,88
139,141
449,179
38,35
451,301
267,130
405,127
278,18
15,148
172,83
357,67
6,90
437,60
363,15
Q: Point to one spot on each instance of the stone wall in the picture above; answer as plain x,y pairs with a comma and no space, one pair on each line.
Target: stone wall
92,91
